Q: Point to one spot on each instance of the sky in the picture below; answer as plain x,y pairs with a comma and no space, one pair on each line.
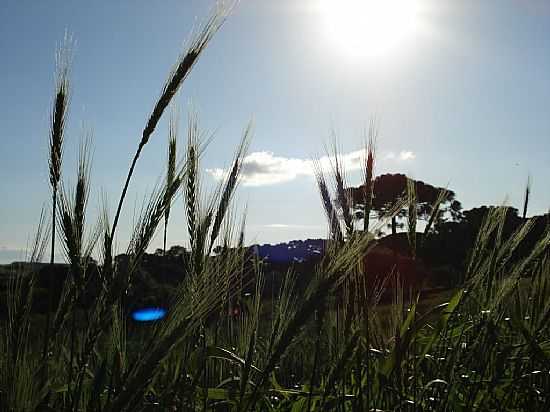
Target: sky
461,99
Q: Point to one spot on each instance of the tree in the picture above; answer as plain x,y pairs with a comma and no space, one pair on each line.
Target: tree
390,188
453,241
176,250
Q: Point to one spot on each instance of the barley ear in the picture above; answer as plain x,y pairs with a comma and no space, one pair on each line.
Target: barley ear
368,173
60,107
436,212
330,211
192,181
412,215
178,74
342,194
526,197
230,185
170,169
57,130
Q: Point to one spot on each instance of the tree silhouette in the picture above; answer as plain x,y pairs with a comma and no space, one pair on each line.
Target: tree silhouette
452,241
389,188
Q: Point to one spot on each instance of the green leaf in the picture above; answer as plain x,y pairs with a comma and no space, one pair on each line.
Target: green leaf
224,354
442,322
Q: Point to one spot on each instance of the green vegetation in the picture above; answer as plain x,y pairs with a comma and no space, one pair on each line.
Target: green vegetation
332,347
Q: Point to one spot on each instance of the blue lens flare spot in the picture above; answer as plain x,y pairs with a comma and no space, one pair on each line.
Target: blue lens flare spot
148,314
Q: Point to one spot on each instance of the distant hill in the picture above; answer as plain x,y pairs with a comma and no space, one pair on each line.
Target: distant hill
8,256
294,251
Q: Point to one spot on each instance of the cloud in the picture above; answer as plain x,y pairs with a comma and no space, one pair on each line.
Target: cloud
265,168
403,155
406,155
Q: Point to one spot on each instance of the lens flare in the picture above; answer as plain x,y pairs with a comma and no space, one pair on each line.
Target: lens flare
148,314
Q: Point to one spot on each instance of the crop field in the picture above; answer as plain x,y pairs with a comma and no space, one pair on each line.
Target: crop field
359,328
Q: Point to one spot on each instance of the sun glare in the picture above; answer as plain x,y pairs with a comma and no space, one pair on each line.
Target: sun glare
370,27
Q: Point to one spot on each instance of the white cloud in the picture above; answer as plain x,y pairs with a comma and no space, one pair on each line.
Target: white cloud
403,155
406,155
264,168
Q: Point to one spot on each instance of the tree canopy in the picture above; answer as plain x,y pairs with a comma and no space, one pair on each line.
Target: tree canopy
389,188
452,241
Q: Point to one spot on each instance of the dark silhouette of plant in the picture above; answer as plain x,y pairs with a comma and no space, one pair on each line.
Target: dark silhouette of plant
452,241
342,207
368,174
176,78
171,168
57,134
526,198
389,188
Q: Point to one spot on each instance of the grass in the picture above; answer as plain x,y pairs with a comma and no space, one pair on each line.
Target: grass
170,169
332,347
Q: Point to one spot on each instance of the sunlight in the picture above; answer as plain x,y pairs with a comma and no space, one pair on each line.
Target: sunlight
370,27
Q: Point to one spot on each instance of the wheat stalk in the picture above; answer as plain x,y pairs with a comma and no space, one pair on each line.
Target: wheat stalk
72,215
435,213
59,109
175,79
526,198
57,131
412,215
170,169
230,185
191,188
368,173
330,211
342,195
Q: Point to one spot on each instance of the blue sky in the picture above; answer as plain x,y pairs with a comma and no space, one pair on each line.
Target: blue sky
463,101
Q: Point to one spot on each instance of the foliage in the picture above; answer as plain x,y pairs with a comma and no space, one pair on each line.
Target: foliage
452,241
389,188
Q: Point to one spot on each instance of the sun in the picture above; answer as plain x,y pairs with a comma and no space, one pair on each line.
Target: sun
370,27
